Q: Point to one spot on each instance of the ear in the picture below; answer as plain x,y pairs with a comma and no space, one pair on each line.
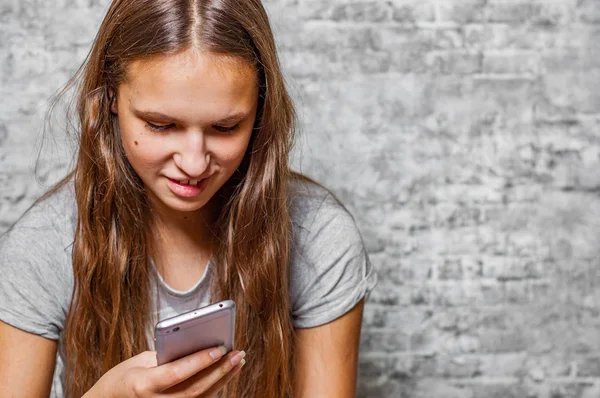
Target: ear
112,95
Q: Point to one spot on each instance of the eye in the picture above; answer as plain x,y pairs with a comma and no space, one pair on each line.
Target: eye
227,129
159,127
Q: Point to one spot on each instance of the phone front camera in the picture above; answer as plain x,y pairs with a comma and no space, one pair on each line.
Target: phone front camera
176,329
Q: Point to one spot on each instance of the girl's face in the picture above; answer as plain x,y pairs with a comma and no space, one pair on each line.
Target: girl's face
185,122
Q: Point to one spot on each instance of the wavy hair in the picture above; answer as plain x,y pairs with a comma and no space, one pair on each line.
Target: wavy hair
110,316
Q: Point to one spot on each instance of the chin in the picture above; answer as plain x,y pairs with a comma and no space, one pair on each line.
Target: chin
186,207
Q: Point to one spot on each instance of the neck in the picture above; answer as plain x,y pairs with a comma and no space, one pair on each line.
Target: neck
179,232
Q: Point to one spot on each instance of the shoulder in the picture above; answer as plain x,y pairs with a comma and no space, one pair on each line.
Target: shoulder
313,208
329,268
51,218
35,261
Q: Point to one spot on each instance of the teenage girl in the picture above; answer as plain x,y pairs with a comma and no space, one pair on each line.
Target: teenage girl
182,196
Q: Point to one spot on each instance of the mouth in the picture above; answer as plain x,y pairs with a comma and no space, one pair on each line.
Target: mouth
187,188
192,183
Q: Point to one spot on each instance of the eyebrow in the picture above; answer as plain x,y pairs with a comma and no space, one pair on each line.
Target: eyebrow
234,117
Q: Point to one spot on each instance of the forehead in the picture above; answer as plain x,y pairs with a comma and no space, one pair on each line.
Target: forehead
191,79
190,60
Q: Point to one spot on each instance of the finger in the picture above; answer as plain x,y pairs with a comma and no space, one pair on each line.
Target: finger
206,379
218,386
173,373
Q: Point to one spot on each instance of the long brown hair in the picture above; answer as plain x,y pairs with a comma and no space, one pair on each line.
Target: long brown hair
109,317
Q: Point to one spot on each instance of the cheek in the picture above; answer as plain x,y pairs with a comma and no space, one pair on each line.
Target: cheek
232,152
145,153
142,149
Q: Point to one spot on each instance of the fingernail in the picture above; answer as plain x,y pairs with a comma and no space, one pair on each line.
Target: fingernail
237,359
218,353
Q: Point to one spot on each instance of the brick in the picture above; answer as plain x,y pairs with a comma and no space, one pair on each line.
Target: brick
386,294
323,37
398,367
519,195
449,38
454,63
457,366
383,341
361,11
8,9
437,388
462,12
408,61
463,194
413,12
588,11
501,365
574,390
579,72
499,390
405,319
495,341
416,269
589,367
505,318
511,63
403,39
459,268
457,215
450,269
513,12
391,388
553,15
518,292
550,365
407,218
466,292
426,340
421,366
3,133
526,37
311,64
511,268
372,368
546,113
585,340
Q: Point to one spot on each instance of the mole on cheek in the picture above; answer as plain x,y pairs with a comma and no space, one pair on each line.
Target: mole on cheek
135,142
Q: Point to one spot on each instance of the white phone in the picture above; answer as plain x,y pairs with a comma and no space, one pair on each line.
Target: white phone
195,330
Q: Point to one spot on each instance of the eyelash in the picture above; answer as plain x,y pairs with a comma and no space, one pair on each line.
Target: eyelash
224,129
155,127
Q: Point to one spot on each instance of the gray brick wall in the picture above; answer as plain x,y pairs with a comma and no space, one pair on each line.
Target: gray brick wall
463,135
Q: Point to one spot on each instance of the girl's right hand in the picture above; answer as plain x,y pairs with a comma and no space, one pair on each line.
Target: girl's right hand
202,374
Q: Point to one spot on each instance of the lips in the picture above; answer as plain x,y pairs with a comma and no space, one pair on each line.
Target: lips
188,182
185,188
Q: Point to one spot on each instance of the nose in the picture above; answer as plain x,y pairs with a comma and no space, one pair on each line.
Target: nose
192,157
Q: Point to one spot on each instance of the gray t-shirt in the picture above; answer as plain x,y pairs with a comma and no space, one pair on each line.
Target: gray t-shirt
330,270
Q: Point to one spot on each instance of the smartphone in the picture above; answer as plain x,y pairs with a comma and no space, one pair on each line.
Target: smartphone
196,330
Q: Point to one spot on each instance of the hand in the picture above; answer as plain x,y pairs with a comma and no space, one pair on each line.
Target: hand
202,374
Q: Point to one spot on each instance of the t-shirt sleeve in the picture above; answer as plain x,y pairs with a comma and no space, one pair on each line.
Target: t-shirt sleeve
331,271
35,287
